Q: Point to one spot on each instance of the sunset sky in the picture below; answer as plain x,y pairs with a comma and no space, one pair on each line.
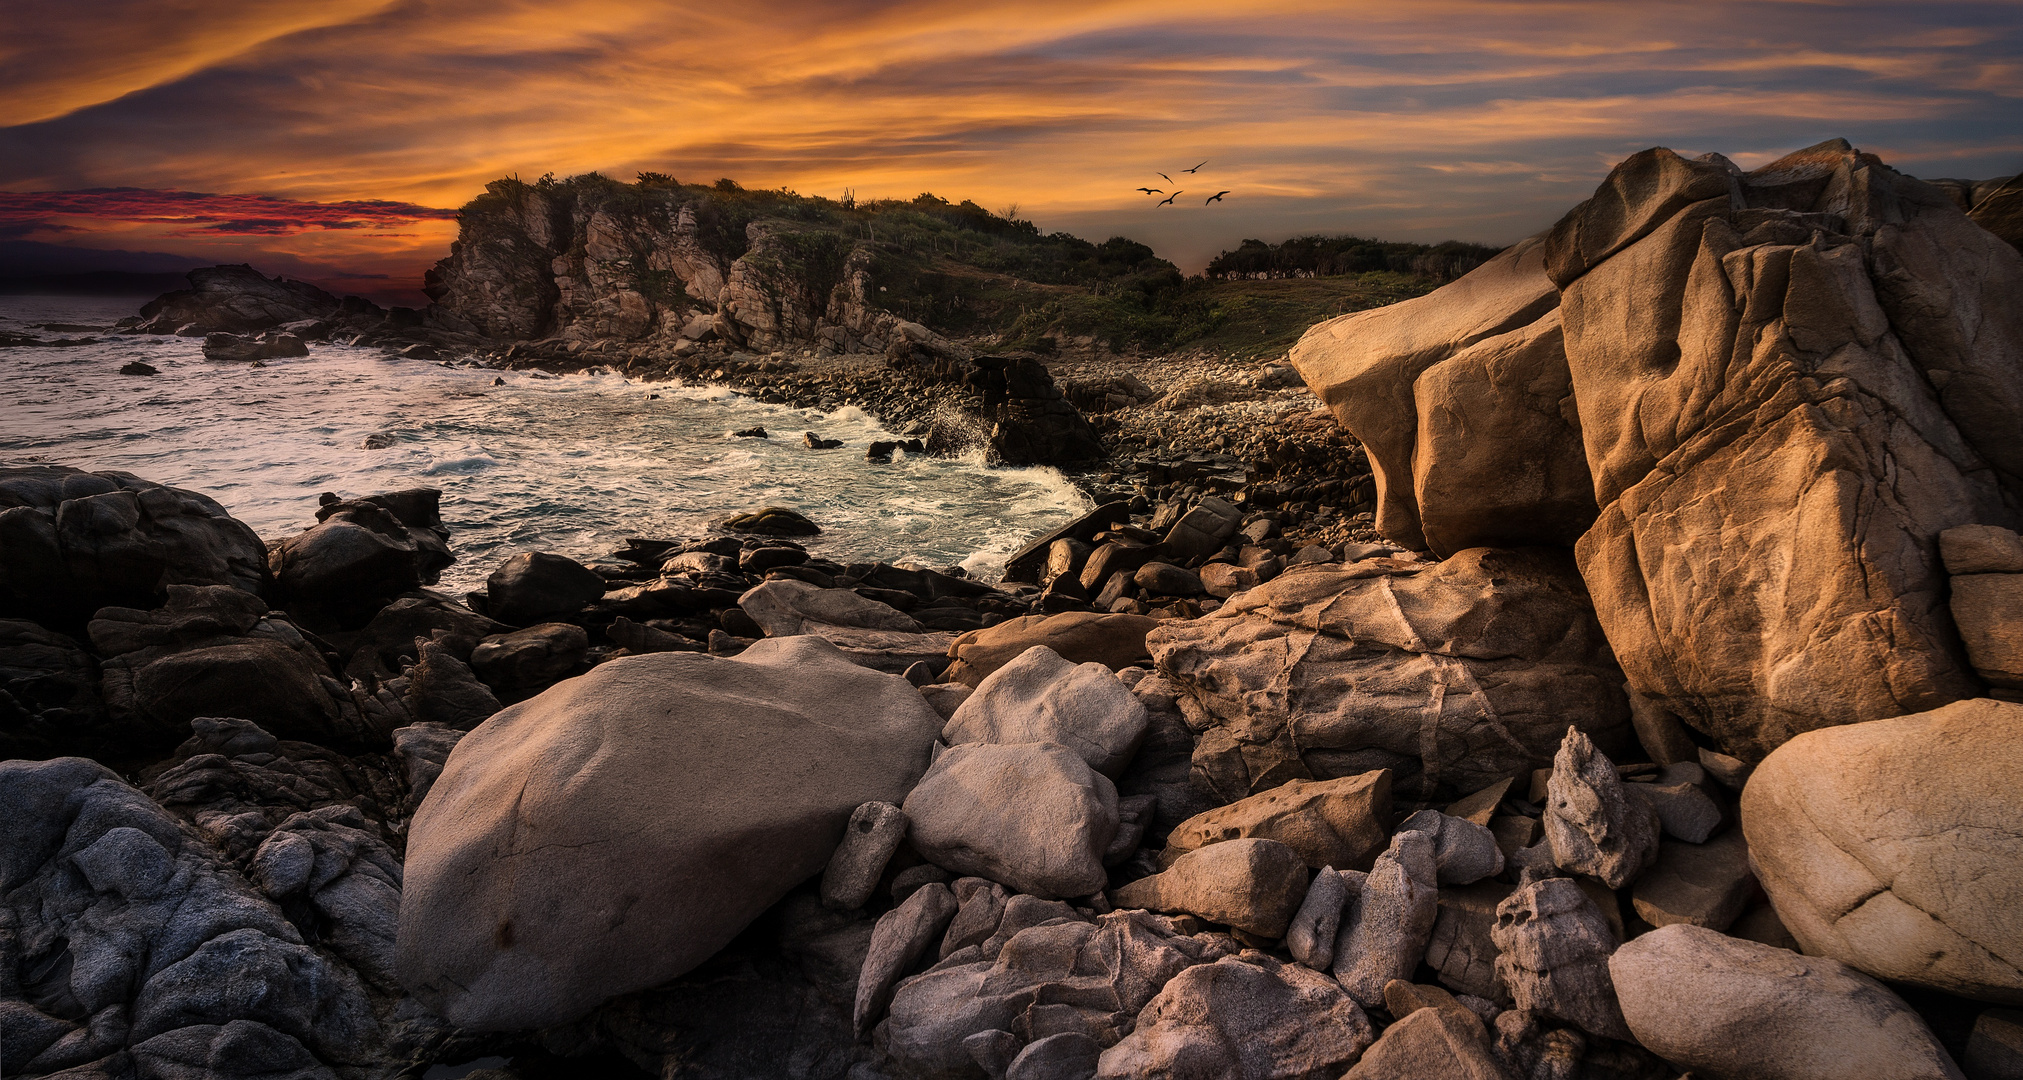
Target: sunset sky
214,121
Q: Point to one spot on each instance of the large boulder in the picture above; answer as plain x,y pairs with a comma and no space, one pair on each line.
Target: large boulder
617,830
72,542
1253,885
1896,845
1032,816
535,586
1248,1016
1040,697
1724,1007
239,299
1821,325
1454,677
785,607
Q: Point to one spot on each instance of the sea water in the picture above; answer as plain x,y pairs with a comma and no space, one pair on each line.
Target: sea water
572,464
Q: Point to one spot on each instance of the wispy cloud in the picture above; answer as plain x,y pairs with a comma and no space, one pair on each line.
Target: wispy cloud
195,213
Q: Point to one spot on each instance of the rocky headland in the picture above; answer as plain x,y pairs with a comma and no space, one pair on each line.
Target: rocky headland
1616,673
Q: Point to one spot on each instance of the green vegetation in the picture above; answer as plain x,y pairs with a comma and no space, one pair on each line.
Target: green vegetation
969,272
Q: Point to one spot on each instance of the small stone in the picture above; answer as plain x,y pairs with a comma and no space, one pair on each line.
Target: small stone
138,367
773,521
1402,999
1385,935
1702,884
1553,949
1242,1016
1480,807
1311,937
901,935
1685,811
1514,833
1166,579
1464,851
1253,885
1731,773
1593,826
873,834
1995,1046
1988,609
1431,1044
1225,580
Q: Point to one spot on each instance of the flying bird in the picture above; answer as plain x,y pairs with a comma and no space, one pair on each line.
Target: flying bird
1166,178
1195,169
1170,198
1217,197
1153,190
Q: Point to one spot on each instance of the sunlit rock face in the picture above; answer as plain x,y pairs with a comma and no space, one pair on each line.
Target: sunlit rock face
1780,386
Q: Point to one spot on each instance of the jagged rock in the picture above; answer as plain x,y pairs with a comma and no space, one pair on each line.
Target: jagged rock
531,658
49,699
1311,936
419,511
72,542
422,750
388,642
1246,1016
1463,851
1163,767
1082,637
1068,975
1026,563
1685,810
131,935
1463,945
442,690
901,936
535,587
873,834
784,608
1995,1045
1033,816
245,348
772,521
540,883
1594,826
1736,1008
239,299
1335,670
332,860
341,571
1893,845
1040,697
1450,1044
1226,580
1553,951
1385,934
1703,884
1337,822
983,906
1253,885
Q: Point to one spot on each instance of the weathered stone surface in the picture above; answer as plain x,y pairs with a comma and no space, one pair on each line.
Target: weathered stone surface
1253,885
442,690
77,541
1897,845
1083,637
1329,671
784,608
535,587
772,521
1450,1044
1066,975
1033,816
1311,936
1685,810
1553,951
1463,945
1703,884
1594,826
388,642
1225,580
873,834
1201,531
1464,851
1166,579
1247,1016
1385,934
1337,822
901,935
532,658
540,882
1981,549
1736,1008
1988,608
1070,1055
1039,697
51,705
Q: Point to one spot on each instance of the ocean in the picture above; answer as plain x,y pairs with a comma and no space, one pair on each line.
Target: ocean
571,464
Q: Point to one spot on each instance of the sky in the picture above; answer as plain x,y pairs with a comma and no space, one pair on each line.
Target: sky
333,140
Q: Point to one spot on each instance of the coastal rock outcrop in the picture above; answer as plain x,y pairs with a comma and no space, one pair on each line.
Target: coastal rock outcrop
241,300
539,883
1821,325
1452,676
1895,845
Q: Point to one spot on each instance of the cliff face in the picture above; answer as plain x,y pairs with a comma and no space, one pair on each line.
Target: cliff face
584,260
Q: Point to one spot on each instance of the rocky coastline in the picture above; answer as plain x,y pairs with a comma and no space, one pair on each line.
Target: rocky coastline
1619,675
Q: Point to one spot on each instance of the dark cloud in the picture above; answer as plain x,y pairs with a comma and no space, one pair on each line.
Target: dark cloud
200,212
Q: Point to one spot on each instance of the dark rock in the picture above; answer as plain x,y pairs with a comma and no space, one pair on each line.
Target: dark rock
754,432
442,690
771,556
49,700
338,574
388,641
138,367
1025,565
816,442
419,511
532,658
535,586
239,299
772,521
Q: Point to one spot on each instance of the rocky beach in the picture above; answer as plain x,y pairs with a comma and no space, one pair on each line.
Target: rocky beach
1604,665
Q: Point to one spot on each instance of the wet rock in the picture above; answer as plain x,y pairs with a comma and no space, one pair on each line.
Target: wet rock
773,521
388,642
901,936
873,834
239,299
1040,697
1092,977
497,942
1032,816
1327,823
1448,1043
1332,671
813,442
531,658
771,555
1463,946
1594,826
418,510
1253,885
1736,1008
1891,846
76,541
1025,565
1703,884
784,608
535,587
1311,936
1246,1016
138,367
1463,851
340,572
1384,936
1553,949
1116,641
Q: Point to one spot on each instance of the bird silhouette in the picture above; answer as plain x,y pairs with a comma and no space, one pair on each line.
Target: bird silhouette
1153,190
1195,169
1166,178
1170,198
1217,197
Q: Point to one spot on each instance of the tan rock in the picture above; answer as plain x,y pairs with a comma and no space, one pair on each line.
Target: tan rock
1593,825
1450,1044
1338,823
1896,846
1481,806
1989,611
1032,816
1242,1016
1463,946
1553,949
1253,885
1117,641
1703,884
1981,549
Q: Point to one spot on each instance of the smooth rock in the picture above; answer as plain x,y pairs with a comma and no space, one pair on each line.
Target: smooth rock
1166,579
1327,823
1082,637
784,608
1385,935
1995,1046
1447,1044
1311,936
1981,549
536,587
1033,816
873,834
1462,947
1988,608
1040,697
531,658
1253,885
1247,1016
1732,1008
1070,1055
